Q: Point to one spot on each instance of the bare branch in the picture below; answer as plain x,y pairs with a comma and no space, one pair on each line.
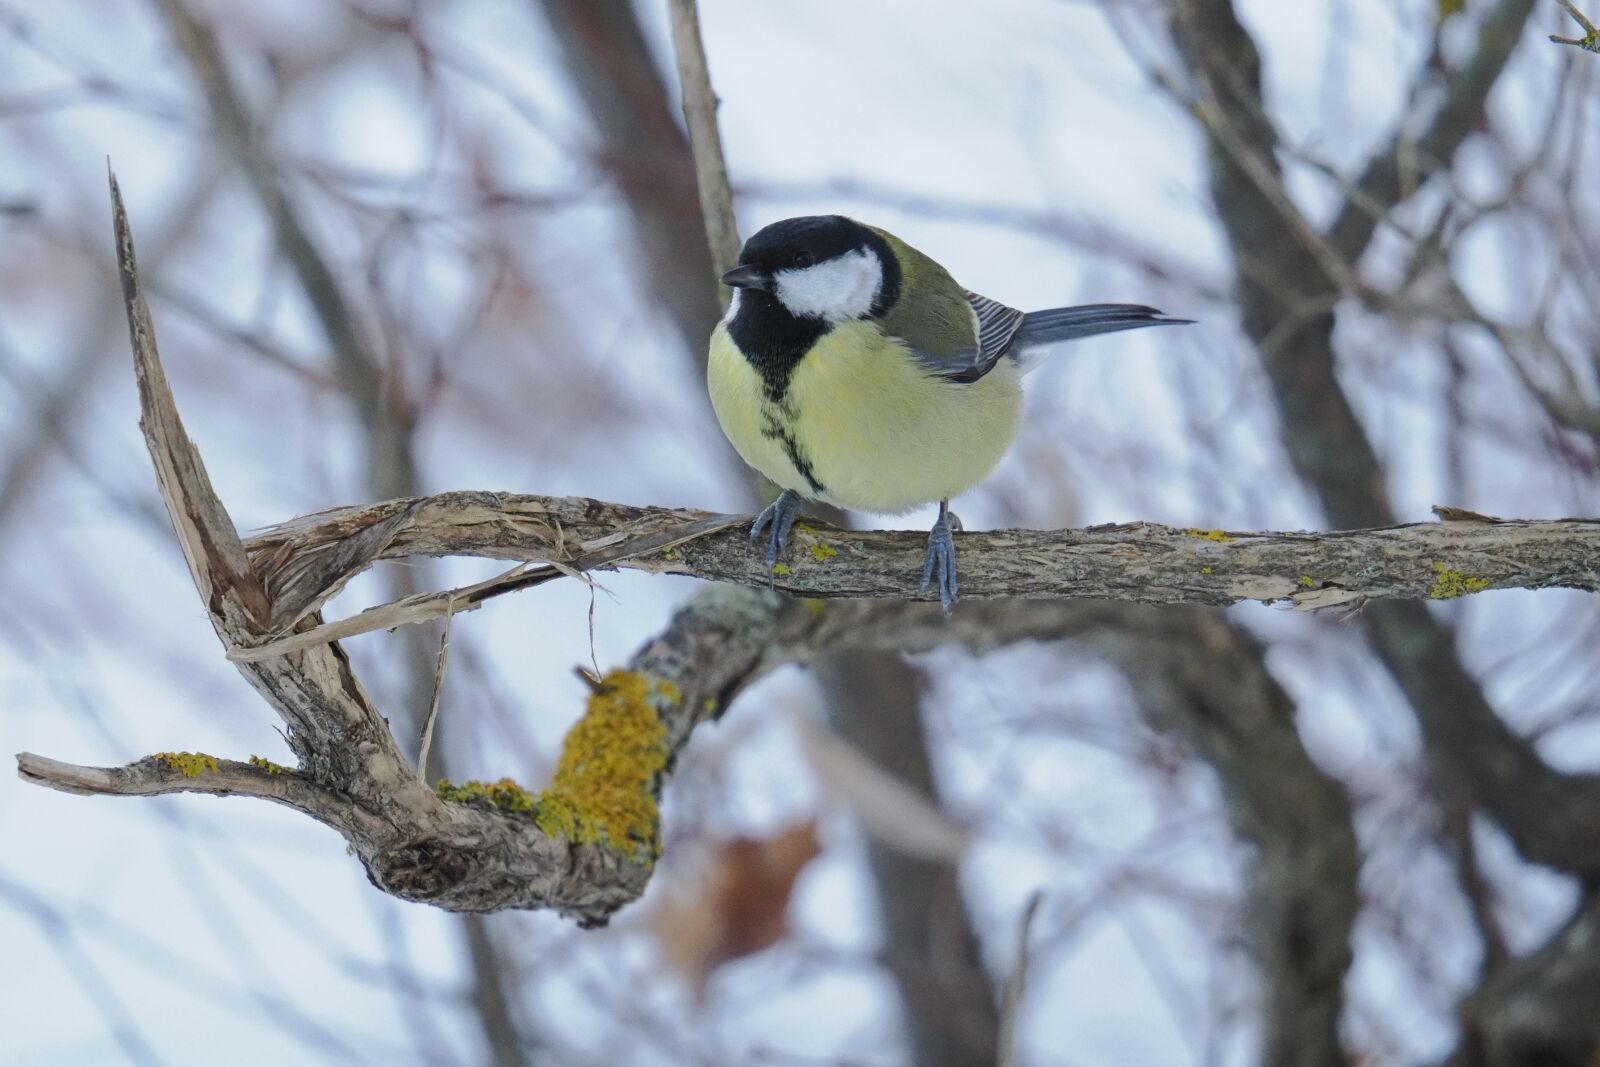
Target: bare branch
550,852
700,114
197,773
610,551
307,558
1385,182
426,742
501,846
210,544
1540,1008
1288,312
1590,41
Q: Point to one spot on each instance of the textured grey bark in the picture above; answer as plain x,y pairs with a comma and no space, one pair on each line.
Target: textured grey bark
305,560
352,775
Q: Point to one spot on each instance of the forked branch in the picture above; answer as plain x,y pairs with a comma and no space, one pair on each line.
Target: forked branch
586,847
1590,41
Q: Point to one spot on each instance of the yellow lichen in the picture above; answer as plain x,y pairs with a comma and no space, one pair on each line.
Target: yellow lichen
1206,570
505,794
189,764
1450,584
669,553
822,553
781,570
1306,581
602,791
1205,535
262,763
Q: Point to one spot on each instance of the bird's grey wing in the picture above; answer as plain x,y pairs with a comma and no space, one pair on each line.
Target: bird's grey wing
994,325
1026,338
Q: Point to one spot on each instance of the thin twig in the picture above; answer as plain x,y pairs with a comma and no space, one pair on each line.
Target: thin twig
1590,41
700,114
433,705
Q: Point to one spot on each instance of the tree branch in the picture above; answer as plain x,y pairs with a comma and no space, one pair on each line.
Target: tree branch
1540,1009
930,946
1287,308
494,849
186,772
501,846
700,116
1384,183
306,560
1590,41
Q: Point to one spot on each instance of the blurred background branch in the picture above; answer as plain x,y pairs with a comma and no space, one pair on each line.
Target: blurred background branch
396,247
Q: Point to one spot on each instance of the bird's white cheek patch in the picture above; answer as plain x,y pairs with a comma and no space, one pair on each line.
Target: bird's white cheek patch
838,290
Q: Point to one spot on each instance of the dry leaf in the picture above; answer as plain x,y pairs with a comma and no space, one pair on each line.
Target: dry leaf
740,907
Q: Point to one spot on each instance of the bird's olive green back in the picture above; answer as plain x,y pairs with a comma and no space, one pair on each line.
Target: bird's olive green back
932,314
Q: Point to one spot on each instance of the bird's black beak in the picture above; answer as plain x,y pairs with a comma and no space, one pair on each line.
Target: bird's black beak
745,276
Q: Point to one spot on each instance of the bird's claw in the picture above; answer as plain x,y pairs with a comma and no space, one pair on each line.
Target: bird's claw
776,519
940,566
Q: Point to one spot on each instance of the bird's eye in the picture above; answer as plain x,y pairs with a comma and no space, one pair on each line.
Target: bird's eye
804,258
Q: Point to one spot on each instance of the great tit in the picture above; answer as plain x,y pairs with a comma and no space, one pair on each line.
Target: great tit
852,369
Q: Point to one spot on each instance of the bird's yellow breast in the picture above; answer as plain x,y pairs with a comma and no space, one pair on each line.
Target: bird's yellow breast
862,425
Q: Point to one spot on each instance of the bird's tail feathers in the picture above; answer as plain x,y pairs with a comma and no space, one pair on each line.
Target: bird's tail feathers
1041,331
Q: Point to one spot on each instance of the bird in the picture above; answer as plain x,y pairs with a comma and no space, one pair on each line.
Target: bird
853,370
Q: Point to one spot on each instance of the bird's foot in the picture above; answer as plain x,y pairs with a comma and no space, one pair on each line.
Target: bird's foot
776,519
940,566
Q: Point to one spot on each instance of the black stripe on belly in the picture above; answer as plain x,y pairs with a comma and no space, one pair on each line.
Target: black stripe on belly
774,430
771,339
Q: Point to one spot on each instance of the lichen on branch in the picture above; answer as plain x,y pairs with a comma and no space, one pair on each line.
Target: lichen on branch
604,790
605,787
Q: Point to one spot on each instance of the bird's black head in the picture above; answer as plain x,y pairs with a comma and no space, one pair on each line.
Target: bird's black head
825,267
